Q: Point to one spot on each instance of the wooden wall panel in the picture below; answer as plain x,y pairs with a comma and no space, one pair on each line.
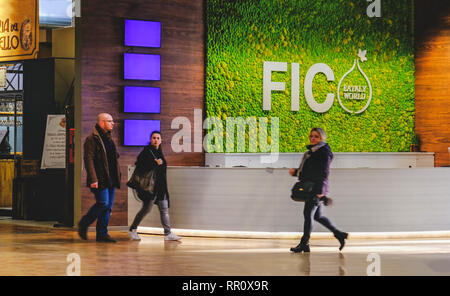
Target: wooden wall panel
432,44
182,75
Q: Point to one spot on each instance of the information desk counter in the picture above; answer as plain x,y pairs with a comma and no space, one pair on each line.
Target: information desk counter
258,200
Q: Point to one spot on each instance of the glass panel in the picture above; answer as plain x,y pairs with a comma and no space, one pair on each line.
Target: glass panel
142,33
11,110
55,13
142,99
142,66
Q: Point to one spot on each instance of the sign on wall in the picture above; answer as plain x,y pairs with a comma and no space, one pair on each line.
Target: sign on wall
346,66
19,29
54,153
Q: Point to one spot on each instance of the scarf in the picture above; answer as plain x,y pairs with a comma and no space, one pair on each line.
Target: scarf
110,148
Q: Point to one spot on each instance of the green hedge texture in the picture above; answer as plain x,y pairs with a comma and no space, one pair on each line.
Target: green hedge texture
241,35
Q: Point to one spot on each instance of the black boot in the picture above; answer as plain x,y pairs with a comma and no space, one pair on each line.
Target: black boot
82,231
303,246
106,239
341,237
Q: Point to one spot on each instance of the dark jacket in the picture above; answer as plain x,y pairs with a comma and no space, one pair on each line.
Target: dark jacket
317,168
146,162
101,168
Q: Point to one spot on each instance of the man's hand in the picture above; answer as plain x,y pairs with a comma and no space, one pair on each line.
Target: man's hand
159,161
94,185
291,172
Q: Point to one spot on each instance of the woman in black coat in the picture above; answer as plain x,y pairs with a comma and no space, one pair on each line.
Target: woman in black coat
315,167
152,158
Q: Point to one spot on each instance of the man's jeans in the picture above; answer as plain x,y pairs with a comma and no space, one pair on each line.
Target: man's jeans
101,211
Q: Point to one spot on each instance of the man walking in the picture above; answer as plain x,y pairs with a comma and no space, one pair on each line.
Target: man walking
103,177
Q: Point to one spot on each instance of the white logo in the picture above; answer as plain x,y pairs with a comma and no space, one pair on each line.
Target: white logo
351,92
355,92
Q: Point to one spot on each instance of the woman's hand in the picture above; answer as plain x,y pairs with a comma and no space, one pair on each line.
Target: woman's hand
327,201
159,161
319,195
291,172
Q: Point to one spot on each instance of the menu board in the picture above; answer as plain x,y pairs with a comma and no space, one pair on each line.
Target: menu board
54,153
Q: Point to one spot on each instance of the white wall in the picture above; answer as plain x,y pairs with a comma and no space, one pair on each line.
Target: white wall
243,199
341,160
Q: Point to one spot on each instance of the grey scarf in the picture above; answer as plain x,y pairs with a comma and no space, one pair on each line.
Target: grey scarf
308,155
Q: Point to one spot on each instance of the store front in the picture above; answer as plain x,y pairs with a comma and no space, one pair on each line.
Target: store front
37,64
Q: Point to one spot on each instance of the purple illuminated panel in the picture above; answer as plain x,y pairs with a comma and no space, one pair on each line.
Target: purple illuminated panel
142,99
137,132
142,66
142,33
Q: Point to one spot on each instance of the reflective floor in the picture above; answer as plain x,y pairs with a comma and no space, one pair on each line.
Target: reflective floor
32,250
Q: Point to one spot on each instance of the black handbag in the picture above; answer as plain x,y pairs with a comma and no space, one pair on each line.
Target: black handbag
302,191
142,181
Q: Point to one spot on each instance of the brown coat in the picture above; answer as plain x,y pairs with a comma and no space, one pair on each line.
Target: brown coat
96,162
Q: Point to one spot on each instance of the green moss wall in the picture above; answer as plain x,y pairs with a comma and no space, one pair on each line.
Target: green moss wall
241,35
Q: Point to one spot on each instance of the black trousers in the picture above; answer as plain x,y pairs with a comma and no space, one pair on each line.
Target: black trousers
313,211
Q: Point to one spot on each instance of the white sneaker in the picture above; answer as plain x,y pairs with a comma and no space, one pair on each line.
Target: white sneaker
171,237
133,235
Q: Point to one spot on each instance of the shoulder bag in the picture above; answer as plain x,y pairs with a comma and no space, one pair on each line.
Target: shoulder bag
143,180
302,191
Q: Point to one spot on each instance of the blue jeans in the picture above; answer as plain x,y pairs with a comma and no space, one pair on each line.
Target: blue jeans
101,210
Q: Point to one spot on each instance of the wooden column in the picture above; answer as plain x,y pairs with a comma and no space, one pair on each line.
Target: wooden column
182,76
432,44
6,182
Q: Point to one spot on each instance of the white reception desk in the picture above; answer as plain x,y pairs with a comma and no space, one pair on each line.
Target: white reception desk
257,200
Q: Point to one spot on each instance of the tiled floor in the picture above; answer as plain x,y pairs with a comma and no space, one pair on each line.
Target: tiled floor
39,249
